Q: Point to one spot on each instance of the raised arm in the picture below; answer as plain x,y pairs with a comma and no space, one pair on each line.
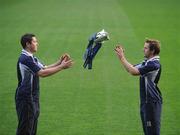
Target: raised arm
50,70
128,66
59,61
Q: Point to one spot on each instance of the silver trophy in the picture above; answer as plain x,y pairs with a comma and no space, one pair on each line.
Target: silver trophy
101,36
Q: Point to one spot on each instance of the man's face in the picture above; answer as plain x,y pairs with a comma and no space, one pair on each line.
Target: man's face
147,52
33,45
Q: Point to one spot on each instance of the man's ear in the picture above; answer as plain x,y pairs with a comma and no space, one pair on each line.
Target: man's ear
153,51
27,45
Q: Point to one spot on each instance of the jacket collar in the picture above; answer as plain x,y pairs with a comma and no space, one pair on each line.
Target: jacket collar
27,53
157,57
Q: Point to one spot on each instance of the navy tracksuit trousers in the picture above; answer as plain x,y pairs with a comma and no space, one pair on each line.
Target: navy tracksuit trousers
28,113
150,116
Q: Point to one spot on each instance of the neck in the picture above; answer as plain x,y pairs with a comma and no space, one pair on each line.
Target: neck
150,57
29,51
157,56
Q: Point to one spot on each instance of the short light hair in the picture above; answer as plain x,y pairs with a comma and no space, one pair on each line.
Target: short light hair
154,45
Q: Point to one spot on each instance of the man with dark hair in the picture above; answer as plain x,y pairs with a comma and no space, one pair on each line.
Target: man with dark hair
150,96
29,68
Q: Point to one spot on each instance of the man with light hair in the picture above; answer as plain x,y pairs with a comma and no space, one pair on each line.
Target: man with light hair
150,96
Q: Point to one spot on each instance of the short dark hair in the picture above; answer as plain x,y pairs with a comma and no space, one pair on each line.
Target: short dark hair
154,45
26,38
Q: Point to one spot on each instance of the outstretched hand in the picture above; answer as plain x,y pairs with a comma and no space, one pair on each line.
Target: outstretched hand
66,61
64,56
119,51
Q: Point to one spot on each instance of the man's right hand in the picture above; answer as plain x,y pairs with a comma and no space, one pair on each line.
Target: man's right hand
64,56
66,62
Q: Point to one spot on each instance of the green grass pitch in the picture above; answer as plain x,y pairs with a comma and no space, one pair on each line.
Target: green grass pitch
105,100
